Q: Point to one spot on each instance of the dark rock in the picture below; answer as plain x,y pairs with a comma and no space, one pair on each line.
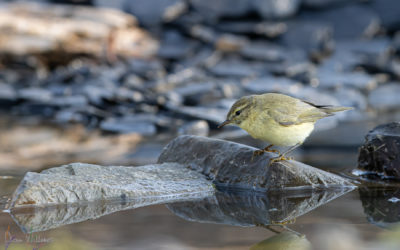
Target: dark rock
379,157
212,10
385,97
154,12
319,38
273,9
253,208
199,128
349,21
129,125
388,11
230,164
35,94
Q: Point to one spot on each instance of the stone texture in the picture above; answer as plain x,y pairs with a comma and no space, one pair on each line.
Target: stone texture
252,209
230,164
379,157
79,182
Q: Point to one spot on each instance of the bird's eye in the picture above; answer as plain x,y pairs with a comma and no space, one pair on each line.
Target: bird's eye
238,112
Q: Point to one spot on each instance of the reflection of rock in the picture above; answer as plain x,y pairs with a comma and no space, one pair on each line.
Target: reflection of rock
80,182
250,209
45,218
284,241
380,154
230,164
381,205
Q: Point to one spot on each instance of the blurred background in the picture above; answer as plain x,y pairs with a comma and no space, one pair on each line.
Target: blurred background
111,82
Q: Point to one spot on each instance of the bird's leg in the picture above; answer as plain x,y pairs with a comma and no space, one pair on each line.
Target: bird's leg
281,157
266,149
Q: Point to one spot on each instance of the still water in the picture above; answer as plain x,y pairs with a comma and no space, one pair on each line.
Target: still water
363,218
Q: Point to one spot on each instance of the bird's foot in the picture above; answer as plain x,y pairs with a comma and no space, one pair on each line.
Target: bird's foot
268,149
279,158
257,153
284,223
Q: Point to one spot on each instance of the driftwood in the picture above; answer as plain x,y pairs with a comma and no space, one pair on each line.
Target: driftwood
58,30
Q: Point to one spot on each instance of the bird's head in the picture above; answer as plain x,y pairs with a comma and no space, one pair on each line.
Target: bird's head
239,111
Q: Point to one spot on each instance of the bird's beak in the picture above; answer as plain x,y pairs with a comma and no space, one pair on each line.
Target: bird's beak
224,123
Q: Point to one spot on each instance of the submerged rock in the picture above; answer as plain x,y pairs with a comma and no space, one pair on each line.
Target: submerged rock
230,164
379,157
79,182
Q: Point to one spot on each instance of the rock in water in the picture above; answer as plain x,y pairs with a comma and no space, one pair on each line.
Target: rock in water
379,157
230,164
79,182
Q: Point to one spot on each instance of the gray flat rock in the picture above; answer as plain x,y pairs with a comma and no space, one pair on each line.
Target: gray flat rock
79,182
230,164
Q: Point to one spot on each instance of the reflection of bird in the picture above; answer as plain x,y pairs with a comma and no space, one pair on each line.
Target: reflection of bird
278,119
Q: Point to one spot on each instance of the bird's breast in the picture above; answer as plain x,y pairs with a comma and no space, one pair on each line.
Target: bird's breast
274,133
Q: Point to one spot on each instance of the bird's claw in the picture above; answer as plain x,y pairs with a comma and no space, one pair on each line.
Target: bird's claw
268,149
284,223
277,159
257,153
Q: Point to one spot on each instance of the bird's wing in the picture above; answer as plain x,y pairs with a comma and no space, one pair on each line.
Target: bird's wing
296,113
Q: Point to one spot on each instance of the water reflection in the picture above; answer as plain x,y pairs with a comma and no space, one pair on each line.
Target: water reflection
233,208
254,209
381,205
284,241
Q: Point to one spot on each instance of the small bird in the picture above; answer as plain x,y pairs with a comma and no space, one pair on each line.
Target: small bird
278,119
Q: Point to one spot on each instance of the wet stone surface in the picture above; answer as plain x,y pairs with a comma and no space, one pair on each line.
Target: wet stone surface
230,164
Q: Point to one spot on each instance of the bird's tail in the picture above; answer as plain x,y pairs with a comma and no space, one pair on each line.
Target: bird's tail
333,109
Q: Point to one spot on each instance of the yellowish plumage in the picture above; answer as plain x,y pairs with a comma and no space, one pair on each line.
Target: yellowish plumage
278,119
